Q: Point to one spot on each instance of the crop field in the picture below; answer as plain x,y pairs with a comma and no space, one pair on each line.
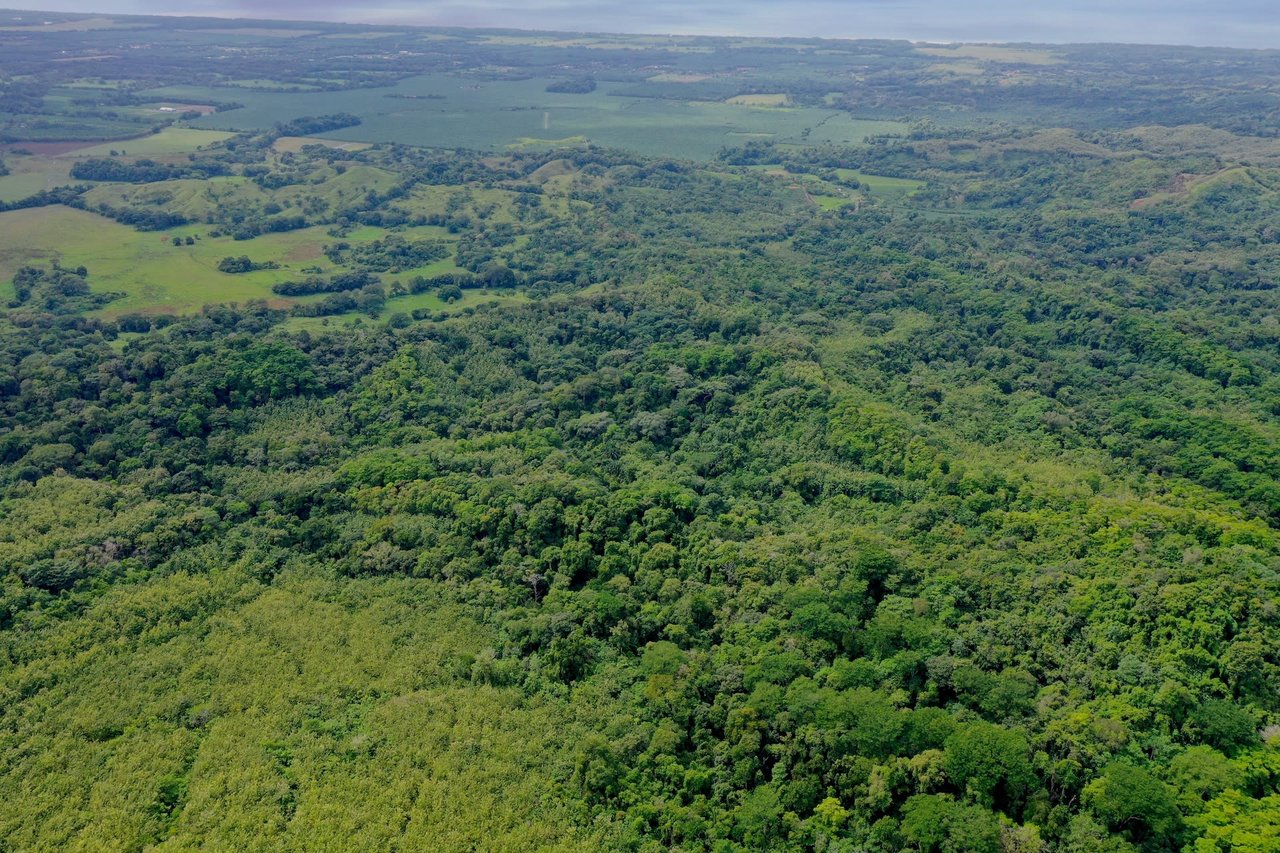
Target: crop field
996,53
444,111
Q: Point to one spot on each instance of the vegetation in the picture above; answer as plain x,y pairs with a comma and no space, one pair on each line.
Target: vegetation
577,86
912,493
312,125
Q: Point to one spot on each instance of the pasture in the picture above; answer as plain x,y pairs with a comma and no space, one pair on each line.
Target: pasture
294,144
882,186
48,165
157,276
169,142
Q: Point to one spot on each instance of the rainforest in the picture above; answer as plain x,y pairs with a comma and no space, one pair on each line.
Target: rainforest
424,439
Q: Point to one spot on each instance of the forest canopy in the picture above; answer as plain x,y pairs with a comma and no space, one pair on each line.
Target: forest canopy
918,491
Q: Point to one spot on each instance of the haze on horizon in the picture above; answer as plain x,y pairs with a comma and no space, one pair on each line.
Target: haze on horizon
1236,23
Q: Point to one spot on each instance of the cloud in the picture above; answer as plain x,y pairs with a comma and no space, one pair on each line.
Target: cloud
1243,23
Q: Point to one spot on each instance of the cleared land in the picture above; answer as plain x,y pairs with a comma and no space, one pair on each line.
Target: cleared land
496,114
297,143
157,276
996,53
48,164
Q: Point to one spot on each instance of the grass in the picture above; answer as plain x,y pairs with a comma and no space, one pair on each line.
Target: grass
170,141
157,276
30,175
881,186
201,200
832,202
406,305
297,143
50,165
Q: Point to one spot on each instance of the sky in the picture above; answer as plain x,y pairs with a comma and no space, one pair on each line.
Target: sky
1235,23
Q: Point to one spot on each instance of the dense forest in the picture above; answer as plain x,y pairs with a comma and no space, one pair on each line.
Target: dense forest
916,494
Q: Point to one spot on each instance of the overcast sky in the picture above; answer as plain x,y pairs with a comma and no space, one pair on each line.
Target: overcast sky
1240,23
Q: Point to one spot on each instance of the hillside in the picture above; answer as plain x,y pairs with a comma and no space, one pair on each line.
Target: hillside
908,486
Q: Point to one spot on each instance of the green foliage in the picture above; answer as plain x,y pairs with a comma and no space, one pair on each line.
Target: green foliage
990,763
1132,801
909,494
936,823
1235,822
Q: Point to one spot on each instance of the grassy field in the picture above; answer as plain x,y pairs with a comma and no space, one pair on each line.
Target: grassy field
168,142
297,143
201,199
49,164
495,114
406,304
880,186
157,276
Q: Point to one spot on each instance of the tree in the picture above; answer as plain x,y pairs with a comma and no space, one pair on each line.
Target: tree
989,763
1132,801
1223,725
937,823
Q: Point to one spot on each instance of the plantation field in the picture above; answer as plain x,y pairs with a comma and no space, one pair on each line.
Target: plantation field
775,100
439,110
100,22
996,53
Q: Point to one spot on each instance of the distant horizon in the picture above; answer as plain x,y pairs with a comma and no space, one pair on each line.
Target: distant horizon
1248,25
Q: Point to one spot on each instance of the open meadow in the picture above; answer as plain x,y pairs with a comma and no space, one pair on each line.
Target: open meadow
156,276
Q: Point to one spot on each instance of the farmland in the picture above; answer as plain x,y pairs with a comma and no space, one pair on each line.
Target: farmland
451,112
